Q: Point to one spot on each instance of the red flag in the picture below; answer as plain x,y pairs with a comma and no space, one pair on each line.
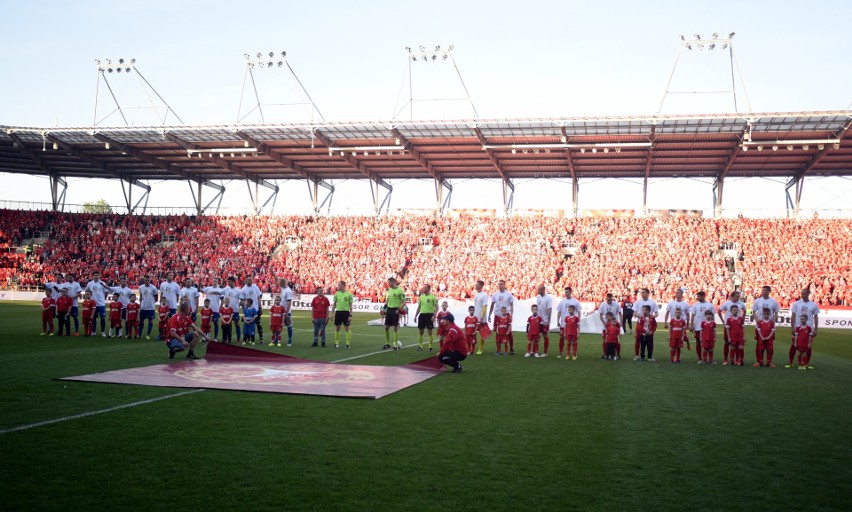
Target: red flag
484,331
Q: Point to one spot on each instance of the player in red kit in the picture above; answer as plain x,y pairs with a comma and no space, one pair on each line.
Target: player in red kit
677,335
646,326
319,313
115,308
504,328
206,318
163,314
276,321
63,311
131,324
533,332
88,313
708,338
471,322
571,331
226,316
735,329
442,327
612,336
803,334
764,335
48,308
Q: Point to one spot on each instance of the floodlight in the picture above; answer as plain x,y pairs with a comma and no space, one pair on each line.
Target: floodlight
247,56
106,145
397,141
688,46
712,46
731,35
760,148
121,61
837,146
280,63
724,45
283,54
354,153
270,64
259,55
127,70
330,152
408,49
422,48
564,139
715,35
232,155
444,57
820,147
221,155
594,150
261,65
514,151
618,150
366,153
97,62
745,148
582,150
271,54
342,153
109,70
133,61
434,57
682,38
700,46
789,147
55,146
698,36
805,147
438,48
413,58
606,150
774,148
451,48
118,70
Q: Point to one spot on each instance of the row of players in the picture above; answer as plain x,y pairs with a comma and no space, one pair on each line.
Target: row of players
680,319
501,301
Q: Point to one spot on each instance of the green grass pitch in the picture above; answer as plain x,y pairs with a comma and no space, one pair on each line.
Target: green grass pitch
507,434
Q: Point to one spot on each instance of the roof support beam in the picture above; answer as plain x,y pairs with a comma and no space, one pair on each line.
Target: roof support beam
508,186
575,181
649,159
255,198
440,181
57,195
797,183
141,155
128,195
196,197
839,134
376,181
224,164
313,189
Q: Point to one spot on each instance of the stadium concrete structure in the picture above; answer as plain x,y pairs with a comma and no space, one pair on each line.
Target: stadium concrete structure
792,145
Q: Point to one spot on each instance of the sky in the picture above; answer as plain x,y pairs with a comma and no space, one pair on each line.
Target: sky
517,59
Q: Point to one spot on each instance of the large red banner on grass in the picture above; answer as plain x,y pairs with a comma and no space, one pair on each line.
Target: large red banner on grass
243,369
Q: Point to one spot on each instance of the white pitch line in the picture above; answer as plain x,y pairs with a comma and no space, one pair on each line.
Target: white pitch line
93,413
383,351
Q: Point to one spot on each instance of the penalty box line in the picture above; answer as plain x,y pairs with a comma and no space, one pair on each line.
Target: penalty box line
141,402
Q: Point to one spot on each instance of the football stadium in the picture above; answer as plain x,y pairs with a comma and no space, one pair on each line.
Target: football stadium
289,312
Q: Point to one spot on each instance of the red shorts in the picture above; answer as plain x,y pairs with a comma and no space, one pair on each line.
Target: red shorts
676,343
533,337
571,337
737,343
47,316
801,347
766,345
87,319
471,338
708,345
275,328
442,330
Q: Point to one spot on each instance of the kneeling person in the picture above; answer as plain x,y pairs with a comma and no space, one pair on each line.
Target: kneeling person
454,350
182,333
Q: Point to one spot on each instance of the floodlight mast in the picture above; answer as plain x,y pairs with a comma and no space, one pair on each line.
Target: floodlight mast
716,42
424,55
105,68
272,60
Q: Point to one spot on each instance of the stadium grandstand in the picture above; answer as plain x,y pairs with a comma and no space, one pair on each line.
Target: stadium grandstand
614,251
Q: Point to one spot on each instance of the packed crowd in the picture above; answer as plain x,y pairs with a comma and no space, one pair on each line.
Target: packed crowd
594,255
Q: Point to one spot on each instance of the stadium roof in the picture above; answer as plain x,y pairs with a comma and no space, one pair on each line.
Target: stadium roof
792,144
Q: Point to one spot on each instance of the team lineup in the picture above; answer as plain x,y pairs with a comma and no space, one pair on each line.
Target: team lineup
237,310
